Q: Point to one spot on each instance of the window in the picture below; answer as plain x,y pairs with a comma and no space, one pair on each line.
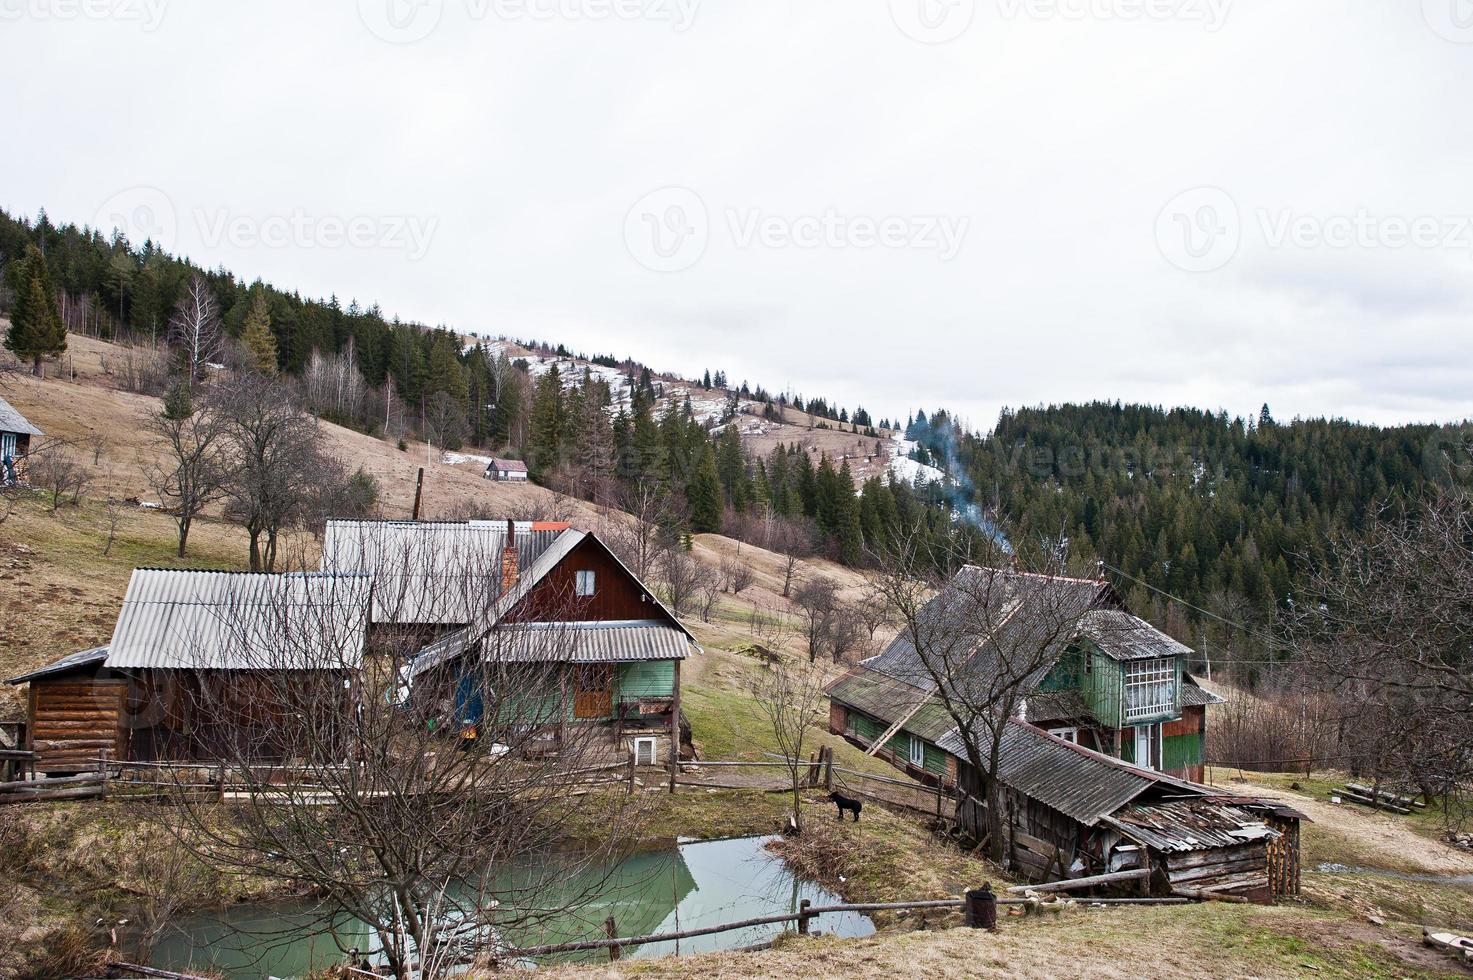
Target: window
917,752
1067,734
585,583
1150,688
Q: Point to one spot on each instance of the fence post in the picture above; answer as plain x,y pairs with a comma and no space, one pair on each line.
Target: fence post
612,930
102,773
803,917
982,907
828,769
632,757
220,782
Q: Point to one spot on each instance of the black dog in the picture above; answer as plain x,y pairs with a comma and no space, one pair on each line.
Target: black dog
845,803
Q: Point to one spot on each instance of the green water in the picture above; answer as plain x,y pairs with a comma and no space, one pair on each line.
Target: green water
683,887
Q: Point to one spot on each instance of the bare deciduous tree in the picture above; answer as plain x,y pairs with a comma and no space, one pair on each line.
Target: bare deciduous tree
54,469
192,471
789,697
681,576
818,598
978,641
737,575
194,331
277,457
1389,621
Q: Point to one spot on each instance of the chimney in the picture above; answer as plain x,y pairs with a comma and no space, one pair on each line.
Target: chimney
510,573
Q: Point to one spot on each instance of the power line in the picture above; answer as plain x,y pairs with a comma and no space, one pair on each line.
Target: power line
1263,638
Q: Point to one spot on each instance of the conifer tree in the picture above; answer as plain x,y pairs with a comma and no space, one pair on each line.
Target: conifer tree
36,331
256,336
703,493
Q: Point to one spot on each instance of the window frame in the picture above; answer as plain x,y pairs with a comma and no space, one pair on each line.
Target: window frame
578,580
1149,677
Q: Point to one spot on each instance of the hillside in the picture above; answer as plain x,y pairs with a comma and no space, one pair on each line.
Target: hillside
62,595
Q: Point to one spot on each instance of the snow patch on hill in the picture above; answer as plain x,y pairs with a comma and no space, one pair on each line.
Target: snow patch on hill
907,470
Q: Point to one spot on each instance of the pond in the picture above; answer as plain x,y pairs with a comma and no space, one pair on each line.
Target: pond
684,887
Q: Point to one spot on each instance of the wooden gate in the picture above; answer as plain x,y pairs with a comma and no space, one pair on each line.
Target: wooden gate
593,692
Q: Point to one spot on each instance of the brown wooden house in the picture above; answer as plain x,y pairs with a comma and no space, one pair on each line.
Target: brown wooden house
179,680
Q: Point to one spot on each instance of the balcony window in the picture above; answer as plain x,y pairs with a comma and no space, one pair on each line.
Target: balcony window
1150,688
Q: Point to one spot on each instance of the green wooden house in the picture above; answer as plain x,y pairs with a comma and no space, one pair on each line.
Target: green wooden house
1118,686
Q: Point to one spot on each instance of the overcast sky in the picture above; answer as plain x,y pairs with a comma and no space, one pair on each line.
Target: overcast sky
904,203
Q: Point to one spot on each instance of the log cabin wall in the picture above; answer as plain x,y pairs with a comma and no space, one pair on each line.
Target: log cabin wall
74,719
1241,871
616,594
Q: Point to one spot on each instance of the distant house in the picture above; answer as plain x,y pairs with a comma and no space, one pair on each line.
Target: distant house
507,471
178,681
15,443
1096,765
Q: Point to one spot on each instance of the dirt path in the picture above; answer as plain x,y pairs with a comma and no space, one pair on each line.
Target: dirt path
1376,833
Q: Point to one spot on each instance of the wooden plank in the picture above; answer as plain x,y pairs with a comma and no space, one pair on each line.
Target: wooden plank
1093,880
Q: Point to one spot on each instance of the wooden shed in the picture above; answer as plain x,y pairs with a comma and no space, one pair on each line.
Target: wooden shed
75,711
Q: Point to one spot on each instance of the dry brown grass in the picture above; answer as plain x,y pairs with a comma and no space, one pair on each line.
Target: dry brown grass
1112,944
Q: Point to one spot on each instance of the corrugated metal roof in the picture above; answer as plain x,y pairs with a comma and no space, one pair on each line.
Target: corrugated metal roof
889,700
13,421
620,641
1076,781
1190,825
1121,636
446,573
235,621
1193,694
72,661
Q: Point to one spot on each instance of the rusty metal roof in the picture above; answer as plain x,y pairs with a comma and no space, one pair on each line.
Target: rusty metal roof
199,620
1190,825
72,661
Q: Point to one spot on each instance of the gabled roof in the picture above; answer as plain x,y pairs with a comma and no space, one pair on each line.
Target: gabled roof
1121,636
507,465
72,661
984,616
199,620
454,644
13,421
432,572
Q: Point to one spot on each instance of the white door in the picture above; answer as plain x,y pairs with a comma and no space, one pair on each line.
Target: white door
1144,756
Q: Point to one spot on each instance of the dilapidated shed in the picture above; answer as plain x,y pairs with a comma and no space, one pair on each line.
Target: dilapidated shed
1073,812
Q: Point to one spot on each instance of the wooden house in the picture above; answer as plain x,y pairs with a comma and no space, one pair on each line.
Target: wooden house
1096,764
433,577
180,677
507,471
16,433
606,650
